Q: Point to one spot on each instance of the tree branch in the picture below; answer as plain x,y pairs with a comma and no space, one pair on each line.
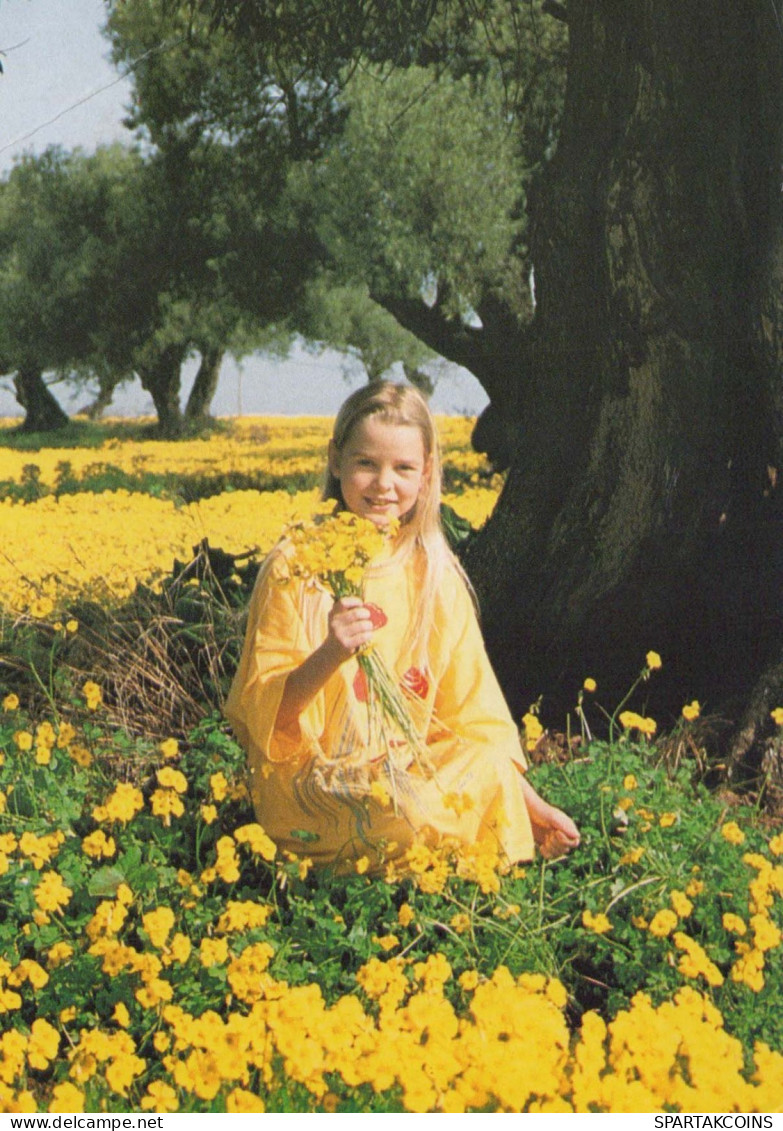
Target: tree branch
447,336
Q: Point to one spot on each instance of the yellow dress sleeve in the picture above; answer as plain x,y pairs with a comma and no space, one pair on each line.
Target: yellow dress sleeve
276,642
468,702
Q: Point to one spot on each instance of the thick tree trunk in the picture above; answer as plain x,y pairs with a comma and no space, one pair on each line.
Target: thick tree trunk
641,510
161,379
97,407
42,412
205,385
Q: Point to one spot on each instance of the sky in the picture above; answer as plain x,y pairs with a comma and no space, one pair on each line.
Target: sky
59,87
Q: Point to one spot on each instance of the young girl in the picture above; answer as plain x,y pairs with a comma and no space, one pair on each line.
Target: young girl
320,786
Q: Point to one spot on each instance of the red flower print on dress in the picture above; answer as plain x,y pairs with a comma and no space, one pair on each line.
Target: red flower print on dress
378,617
360,688
415,682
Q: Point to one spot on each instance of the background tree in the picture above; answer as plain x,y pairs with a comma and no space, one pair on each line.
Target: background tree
641,506
51,259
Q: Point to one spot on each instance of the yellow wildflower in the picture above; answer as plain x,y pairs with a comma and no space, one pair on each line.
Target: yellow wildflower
257,841
732,833
219,786
169,748
663,923
405,915
98,845
590,684
66,1098
653,661
11,702
92,694
691,710
213,952
158,924
598,922
52,894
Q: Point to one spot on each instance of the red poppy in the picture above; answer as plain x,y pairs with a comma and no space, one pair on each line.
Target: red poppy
360,688
415,682
378,617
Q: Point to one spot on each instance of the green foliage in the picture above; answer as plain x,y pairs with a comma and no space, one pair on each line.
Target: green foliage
323,928
423,187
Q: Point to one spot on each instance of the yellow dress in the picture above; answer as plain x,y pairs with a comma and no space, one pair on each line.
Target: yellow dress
318,787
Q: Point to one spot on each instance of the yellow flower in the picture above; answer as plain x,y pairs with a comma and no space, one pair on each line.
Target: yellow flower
121,1015
43,1045
630,720
653,661
386,942
459,802
533,730
680,903
379,793
777,716
208,814
159,1097
666,820
98,845
405,915
92,693
66,1098
57,954
630,782
257,841
732,833
776,844
81,755
72,625
663,923
122,805
23,740
691,710
589,684
734,923
52,893
166,803
460,922
468,980
598,923
11,702
158,924
170,778
240,1100
169,748
213,952
362,864
219,786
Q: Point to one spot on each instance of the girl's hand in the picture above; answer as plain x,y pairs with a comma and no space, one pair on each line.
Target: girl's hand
554,832
350,628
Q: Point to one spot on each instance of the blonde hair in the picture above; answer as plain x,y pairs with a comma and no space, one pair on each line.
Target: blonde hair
421,531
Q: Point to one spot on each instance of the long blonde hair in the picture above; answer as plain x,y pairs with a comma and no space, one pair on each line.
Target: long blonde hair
421,532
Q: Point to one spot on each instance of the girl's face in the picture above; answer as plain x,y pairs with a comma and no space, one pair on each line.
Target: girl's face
381,468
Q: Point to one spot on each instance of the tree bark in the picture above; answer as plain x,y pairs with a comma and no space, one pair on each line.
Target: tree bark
42,412
641,510
205,385
97,407
161,379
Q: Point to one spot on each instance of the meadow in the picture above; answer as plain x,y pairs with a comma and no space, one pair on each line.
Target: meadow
158,953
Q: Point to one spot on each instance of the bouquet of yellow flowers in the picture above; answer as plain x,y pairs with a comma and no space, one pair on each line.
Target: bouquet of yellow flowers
335,550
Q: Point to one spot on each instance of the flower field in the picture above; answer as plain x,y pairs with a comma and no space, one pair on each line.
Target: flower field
160,954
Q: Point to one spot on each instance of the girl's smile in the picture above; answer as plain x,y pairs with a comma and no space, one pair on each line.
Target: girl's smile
381,469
